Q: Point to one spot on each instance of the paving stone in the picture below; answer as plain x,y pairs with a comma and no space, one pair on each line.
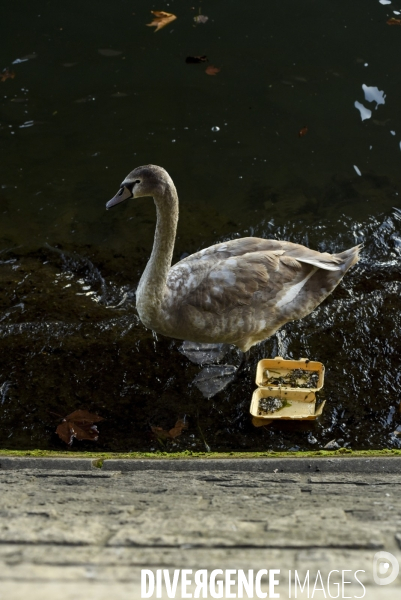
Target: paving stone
30,462
262,465
86,533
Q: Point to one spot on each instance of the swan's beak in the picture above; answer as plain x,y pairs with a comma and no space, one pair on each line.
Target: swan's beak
123,194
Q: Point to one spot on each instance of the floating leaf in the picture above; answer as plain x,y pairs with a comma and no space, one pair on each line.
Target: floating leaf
6,74
201,19
212,70
109,52
394,21
177,430
303,131
79,425
161,19
196,59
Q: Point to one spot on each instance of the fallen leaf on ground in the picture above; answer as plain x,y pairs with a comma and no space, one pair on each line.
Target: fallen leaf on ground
79,425
303,132
196,59
212,70
394,21
177,430
6,74
201,19
161,19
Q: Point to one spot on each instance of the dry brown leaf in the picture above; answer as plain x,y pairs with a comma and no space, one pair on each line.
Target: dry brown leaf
161,19
303,131
394,21
6,74
177,430
212,70
79,425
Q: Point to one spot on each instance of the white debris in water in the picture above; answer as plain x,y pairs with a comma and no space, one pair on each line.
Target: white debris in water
365,112
332,445
373,94
385,1
357,170
392,132
215,128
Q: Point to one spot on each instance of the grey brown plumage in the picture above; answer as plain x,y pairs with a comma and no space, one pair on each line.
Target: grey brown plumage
238,292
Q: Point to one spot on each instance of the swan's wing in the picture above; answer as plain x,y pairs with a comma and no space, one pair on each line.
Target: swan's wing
249,245
222,286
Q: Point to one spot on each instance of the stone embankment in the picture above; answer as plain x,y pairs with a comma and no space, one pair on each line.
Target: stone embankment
69,530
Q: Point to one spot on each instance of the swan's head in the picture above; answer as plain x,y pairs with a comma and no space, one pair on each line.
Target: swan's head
149,180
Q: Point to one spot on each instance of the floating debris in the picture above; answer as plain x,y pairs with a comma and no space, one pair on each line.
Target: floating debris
161,19
6,74
212,70
201,19
163,434
80,425
332,445
365,112
373,94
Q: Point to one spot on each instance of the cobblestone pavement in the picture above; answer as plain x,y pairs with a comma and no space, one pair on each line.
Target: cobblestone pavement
70,531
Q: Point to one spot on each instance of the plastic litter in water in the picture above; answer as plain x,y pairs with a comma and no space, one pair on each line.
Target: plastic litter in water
365,112
373,94
212,380
357,170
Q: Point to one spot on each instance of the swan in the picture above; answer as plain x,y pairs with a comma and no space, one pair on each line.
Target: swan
238,292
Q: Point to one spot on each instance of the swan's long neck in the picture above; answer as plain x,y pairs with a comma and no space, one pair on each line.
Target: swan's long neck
151,288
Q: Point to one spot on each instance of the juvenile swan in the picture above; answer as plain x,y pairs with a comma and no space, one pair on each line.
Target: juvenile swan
238,292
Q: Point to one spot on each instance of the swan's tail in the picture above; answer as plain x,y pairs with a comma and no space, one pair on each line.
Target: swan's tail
349,257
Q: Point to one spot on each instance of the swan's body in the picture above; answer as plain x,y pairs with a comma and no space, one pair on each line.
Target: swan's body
238,292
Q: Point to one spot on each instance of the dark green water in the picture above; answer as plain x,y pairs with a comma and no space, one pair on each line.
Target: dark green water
74,122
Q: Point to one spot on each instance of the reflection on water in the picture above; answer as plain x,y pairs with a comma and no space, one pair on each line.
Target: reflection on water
88,102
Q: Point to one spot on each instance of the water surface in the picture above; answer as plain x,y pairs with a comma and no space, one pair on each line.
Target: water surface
76,118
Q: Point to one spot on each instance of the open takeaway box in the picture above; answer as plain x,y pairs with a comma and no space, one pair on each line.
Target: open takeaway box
286,390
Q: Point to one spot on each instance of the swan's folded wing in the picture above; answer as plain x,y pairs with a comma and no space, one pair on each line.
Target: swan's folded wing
250,245
239,247
242,280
